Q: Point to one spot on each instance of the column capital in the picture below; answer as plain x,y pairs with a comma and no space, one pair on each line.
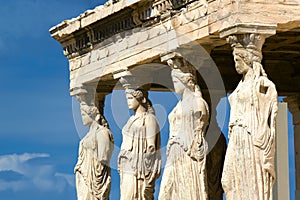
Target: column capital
176,61
169,56
294,107
85,93
247,40
250,42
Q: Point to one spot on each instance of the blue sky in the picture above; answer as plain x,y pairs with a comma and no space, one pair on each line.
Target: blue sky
38,136
38,139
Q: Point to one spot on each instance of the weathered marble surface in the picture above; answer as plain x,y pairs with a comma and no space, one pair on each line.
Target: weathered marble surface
249,163
185,174
139,159
93,179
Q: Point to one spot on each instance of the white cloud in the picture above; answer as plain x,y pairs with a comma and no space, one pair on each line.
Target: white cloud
14,185
35,175
17,163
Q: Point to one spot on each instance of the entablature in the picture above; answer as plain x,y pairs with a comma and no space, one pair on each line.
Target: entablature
127,33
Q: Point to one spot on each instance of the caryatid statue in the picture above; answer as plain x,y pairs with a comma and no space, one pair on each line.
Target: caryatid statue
93,173
249,171
184,176
139,161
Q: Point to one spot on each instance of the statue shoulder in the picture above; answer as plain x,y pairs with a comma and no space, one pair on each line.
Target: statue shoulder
151,120
151,117
104,131
265,85
266,81
199,104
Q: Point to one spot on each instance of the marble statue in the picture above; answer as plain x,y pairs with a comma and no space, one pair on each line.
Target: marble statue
184,176
139,161
249,171
93,178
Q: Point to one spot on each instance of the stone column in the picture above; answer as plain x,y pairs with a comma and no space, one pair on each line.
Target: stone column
281,187
249,168
203,71
294,107
93,173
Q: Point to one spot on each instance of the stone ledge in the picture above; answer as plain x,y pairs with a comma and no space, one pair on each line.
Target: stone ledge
89,17
240,28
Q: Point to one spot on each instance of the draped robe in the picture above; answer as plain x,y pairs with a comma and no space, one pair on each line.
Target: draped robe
185,174
249,171
93,178
139,159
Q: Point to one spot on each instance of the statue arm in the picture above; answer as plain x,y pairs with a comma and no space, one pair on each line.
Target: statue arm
269,151
270,96
200,117
104,144
198,147
80,160
273,113
152,130
153,144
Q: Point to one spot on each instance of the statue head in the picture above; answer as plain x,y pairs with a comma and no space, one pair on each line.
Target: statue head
135,98
138,97
183,74
89,114
247,54
243,60
136,94
182,80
